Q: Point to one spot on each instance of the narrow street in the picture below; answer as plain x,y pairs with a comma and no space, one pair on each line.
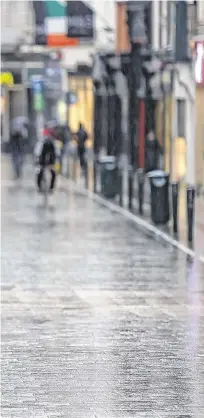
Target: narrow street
98,318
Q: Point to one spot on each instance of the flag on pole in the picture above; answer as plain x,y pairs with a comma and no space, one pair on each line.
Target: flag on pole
51,24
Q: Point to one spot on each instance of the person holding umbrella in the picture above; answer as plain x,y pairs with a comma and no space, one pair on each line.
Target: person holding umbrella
19,135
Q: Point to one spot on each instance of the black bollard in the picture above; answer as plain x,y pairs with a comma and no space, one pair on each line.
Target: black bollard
120,187
86,175
95,175
141,182
175,199
190,211
130,188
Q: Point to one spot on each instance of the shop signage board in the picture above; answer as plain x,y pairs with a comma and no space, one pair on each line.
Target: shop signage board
34,72
51,24
80,20
52,79
71,98
62,23
7,79
11,76
38,93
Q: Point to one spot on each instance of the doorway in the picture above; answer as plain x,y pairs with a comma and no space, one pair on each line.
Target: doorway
32,132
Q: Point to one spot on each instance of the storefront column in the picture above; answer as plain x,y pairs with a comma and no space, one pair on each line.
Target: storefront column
190,135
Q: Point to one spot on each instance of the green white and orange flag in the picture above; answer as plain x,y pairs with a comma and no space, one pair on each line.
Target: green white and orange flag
51,24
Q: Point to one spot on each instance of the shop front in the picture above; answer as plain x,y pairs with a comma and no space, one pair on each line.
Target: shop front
199,75
80,82
12,99
16,77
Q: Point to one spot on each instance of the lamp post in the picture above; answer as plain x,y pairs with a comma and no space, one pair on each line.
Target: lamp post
181,49
190,91
99,81
167,76
113,66
111,105
138,38
115,115
166,87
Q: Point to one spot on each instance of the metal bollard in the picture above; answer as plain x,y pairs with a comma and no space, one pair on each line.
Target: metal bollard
175,199
130,188
141,182
95,172
120,187
190,211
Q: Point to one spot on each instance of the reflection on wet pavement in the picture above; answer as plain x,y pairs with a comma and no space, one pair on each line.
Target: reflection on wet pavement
98,319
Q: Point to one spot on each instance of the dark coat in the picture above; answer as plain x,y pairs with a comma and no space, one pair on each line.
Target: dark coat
82,136
153,150
17,143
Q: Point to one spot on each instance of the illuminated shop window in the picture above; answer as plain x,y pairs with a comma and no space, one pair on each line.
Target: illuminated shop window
199,65
82,111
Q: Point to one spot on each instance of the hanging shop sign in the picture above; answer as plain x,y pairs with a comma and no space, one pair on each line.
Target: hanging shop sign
80,20
71,98
51,24
52,79
34,72
7,79
136,19
38,93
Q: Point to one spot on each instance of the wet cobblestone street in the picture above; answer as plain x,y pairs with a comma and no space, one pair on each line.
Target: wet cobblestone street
99,320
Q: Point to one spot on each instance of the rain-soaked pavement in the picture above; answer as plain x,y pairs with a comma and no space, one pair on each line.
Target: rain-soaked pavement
98,319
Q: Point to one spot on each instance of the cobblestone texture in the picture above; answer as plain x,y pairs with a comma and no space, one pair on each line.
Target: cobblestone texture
98,319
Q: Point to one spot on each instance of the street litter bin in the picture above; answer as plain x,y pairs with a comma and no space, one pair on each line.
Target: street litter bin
109,177
159,183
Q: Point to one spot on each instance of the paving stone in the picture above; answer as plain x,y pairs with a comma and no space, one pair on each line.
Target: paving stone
98,319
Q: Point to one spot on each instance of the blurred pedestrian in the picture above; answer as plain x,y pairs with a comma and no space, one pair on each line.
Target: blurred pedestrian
19,137
81,136
153,152
47,154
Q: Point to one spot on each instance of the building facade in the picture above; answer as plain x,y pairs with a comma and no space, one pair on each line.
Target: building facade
184,104
22,59
177,96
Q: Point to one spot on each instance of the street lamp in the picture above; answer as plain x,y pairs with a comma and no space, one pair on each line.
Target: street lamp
138,35
166,88
99,75
112,63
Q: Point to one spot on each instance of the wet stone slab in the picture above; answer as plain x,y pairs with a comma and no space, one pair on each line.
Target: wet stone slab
98,319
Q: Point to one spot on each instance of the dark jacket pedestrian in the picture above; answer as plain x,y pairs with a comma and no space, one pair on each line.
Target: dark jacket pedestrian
19,132
153,151
81,136
17,143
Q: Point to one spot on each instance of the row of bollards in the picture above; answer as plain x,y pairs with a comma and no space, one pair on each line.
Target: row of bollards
112,185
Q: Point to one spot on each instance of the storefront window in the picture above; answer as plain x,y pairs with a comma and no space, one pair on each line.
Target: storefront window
199,65
180,158
180,141
82,111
